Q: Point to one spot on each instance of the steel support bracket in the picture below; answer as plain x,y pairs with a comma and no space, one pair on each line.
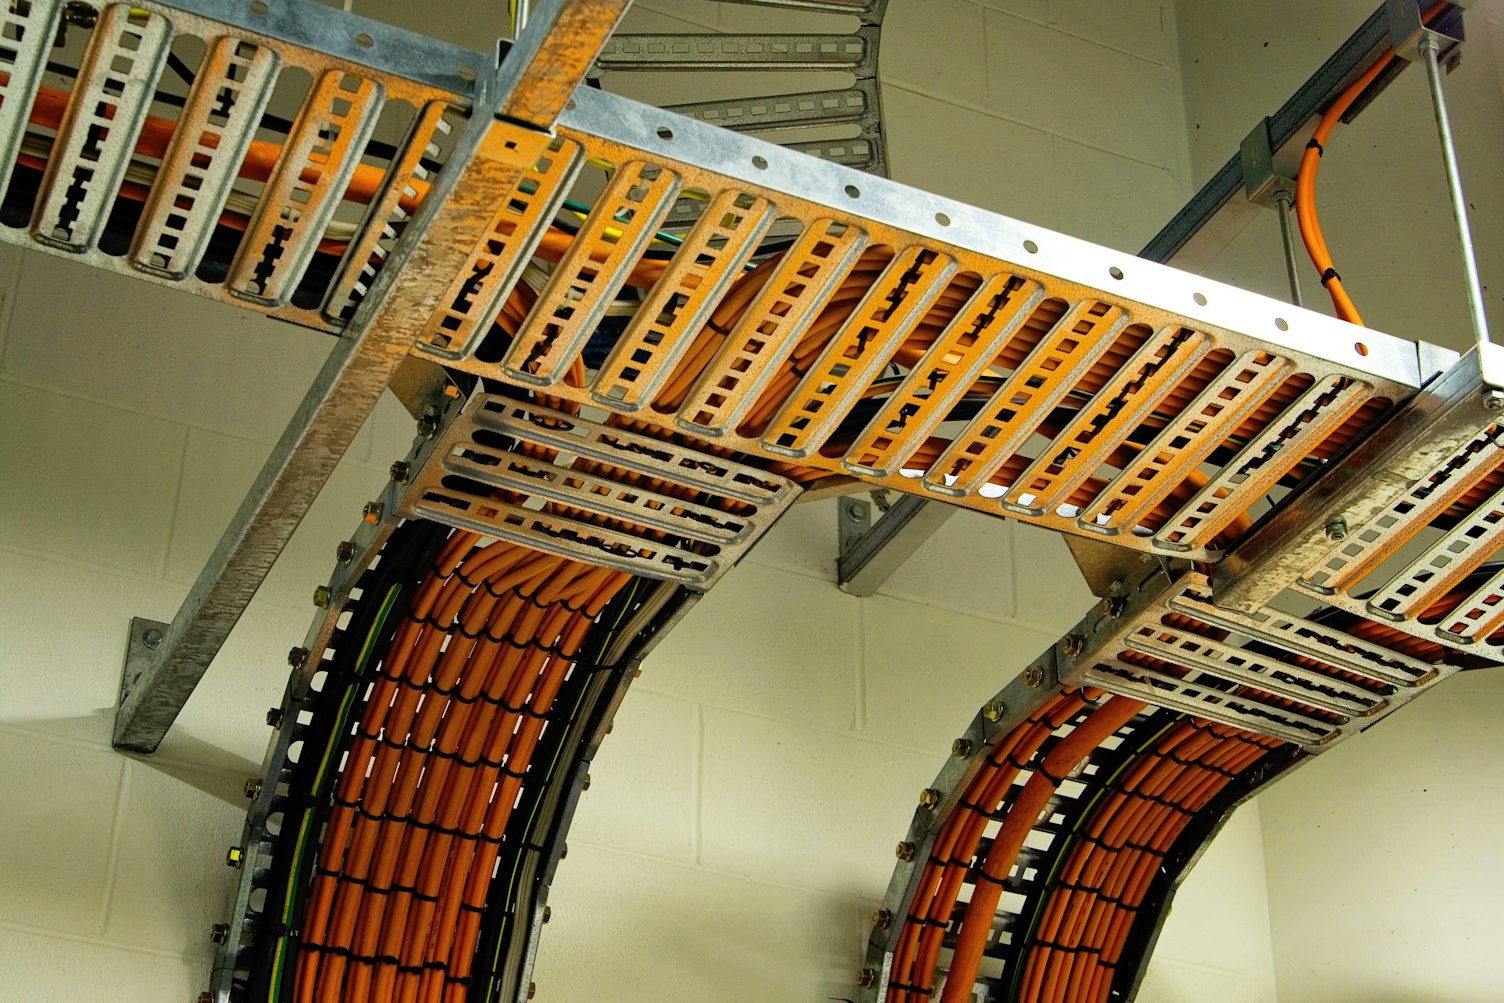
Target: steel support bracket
1263,183
872,549
1407,31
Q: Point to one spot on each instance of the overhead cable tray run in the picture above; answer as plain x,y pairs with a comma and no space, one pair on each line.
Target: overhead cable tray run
632,339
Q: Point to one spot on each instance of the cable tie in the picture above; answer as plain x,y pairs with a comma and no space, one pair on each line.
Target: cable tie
1329,275
907,988
1311,144
927,921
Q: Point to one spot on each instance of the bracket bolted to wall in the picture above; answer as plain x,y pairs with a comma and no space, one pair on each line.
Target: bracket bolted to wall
875,540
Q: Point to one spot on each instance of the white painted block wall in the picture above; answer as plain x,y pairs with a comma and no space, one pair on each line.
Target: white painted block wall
1383,875
742,817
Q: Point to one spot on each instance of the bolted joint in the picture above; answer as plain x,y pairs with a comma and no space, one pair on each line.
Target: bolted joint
344,552
321,596
1034,675
1071,644
205,998
297,657
219,933
1336,529
548,913
993,710
428,425
904,851
532,989
234,857
881,918
929,798
372,512
585,784
961,748
1113,608
274,717
866,978
401,471
1493,400
253,788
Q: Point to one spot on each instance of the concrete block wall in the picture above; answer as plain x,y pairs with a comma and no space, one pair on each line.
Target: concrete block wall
742,817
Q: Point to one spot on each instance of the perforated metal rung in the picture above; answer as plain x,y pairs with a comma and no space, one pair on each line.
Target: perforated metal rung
1293,678
573,487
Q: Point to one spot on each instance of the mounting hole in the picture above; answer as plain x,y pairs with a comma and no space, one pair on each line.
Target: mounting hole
760,162
364,41
1200,299
664,132
259,9
1115,272
1361,348
467,72
1281,323
942,219
853,191
1031,247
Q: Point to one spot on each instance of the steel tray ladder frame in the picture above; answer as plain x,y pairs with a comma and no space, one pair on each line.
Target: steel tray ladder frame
530,87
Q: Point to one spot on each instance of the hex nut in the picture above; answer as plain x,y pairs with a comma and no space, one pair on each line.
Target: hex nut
344,552
205,998
993,710
219,933
372,512
234,856
904,851
1072,644
401,471
253,788
274,717
929,797
321,596
1034,675
866,978
297,657
881,918
1493,399
548,913
1336,529
961,748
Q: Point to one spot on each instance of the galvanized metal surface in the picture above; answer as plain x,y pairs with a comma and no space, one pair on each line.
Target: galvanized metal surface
1395,529
485,165
512,470
871,550
1291,678
1090,301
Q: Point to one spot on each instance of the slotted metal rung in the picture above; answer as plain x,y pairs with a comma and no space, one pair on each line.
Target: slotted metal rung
509,470
1284,676
855,52
1028,329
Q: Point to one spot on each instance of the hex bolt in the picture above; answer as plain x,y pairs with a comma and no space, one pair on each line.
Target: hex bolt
152,639
994,710
428,425
372,512
904,851
401,471
1072,645
1112,608
1336,529
929,797
961,748
548,913
866,978
274,717
252,788
344,552
1034,676
297,657
585,784
219,933
1493,399
234,856
321,597
881,918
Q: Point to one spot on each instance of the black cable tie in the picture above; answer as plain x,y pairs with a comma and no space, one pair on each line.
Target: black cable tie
927,921
905,987
1311,144
437,753
1054,780
1329,275
981,875
409,820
